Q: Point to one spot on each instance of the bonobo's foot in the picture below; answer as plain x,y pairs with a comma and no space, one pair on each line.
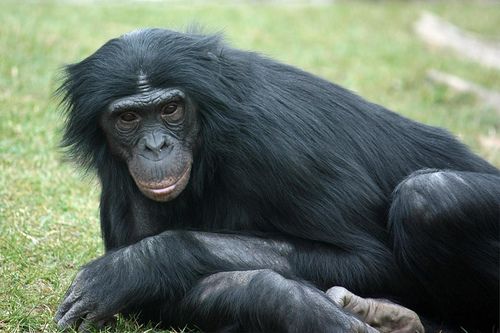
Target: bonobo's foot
380,314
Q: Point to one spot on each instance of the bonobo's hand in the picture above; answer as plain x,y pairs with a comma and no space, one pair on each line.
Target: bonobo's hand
95,295
381,314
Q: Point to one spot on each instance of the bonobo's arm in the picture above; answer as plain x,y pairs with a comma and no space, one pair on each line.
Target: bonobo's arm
163,267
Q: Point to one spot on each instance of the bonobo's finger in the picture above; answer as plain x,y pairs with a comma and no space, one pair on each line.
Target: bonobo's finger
71,318
349,301
342,297
390,317
86,326
66,304
61,310
72,295
337,295
92,321
108,322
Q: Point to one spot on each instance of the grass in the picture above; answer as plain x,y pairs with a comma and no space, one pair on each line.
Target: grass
48,211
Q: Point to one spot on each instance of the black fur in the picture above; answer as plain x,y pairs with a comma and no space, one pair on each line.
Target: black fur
293,181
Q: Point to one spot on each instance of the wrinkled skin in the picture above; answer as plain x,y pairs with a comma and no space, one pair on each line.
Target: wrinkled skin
384,316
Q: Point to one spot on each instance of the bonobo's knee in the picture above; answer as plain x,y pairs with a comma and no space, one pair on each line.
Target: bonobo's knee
441,216
416,197
214,286
445,196
421,208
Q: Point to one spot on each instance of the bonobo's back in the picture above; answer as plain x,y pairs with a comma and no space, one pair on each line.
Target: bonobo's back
337,125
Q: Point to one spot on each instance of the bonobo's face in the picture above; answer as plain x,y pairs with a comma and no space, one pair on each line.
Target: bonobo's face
154,132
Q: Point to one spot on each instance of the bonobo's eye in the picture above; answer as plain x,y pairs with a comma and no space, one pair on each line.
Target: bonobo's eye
127,119
172,112
170,108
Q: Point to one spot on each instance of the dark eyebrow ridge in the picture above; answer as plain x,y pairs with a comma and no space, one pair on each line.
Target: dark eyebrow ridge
156,96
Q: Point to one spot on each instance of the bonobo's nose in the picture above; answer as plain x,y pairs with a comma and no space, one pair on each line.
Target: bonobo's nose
154,143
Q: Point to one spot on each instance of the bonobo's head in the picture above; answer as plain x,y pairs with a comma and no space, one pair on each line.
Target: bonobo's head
136,100
151,132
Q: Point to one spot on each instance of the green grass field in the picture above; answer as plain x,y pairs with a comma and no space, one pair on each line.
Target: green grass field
49,211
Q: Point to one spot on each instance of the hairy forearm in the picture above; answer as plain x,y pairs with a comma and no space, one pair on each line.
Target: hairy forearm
174,260
166,266
180,256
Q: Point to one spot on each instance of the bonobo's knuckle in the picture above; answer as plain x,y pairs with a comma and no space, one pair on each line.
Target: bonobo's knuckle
338,295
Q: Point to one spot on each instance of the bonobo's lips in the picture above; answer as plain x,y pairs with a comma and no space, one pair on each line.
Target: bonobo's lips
167,189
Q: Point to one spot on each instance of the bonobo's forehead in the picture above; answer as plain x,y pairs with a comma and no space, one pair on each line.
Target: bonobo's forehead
145,60
154,46
144,98
149,43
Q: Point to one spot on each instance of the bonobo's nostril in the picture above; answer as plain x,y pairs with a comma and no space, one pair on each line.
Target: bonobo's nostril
155,143
164,145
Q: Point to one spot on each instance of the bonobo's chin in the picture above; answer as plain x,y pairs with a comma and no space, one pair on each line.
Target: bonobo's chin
166,189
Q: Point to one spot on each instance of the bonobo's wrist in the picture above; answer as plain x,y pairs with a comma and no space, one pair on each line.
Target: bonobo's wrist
153,265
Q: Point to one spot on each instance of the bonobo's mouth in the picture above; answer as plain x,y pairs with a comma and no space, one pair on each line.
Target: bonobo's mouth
167,189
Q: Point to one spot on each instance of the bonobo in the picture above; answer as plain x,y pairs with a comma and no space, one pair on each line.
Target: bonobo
236,190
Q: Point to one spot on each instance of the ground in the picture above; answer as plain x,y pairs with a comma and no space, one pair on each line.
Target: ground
49,211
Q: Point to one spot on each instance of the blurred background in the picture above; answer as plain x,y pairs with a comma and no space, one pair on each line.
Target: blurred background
432,61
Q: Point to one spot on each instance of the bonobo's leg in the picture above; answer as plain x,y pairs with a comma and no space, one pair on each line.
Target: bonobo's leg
445,226
263,301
